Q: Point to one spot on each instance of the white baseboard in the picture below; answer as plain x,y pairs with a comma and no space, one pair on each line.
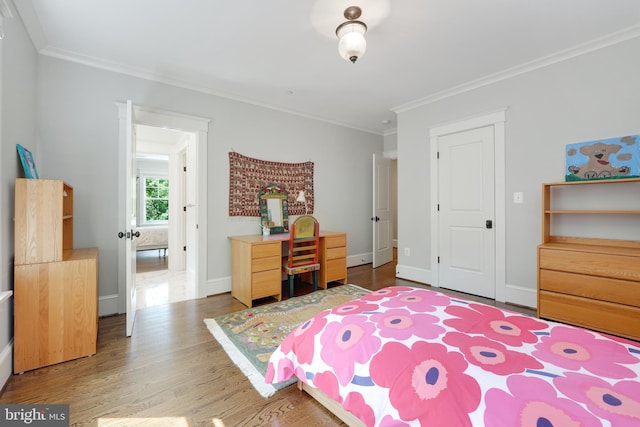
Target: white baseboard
108,305
354,260
215,287
520,295
6,365
414,274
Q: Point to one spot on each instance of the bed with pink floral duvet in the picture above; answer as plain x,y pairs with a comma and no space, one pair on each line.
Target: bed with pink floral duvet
409,356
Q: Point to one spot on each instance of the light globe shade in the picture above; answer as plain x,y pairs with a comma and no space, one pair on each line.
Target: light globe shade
352,43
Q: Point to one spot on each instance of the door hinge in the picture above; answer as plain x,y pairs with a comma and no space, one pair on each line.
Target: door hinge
438,207
184,208
184,168
437,155
438,260
184,248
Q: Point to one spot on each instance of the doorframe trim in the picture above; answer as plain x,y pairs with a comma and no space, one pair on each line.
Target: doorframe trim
187,123
497,120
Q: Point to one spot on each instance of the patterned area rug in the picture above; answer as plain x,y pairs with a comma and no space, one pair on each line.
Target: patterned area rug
250,336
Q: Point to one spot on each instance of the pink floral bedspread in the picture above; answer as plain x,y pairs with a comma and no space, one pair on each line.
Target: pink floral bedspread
408,356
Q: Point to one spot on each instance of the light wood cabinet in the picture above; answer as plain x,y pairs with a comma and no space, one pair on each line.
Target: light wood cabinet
55,285
256,264
594,283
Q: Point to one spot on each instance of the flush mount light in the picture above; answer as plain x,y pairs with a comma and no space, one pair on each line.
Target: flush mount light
352,44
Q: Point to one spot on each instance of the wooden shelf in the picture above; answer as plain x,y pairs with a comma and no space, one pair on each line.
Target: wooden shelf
590,282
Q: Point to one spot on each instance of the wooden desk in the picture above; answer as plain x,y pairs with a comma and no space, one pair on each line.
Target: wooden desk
256,264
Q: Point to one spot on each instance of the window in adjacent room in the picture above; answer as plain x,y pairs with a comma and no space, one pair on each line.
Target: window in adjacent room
156,200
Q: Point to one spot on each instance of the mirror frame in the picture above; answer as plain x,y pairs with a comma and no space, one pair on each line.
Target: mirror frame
274,191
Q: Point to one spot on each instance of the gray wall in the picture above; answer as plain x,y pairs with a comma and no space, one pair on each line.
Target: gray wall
78,126
18,64
592,96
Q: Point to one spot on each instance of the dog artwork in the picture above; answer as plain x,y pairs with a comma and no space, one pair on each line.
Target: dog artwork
612,158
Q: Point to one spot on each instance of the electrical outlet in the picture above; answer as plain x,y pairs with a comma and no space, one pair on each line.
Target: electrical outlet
407,252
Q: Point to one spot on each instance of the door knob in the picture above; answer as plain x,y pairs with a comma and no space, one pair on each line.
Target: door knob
489,224
121,234
136,234
375,218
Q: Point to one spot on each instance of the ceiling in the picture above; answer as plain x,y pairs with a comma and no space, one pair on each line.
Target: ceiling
283,53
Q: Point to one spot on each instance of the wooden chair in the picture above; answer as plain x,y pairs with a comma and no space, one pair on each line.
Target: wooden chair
304,247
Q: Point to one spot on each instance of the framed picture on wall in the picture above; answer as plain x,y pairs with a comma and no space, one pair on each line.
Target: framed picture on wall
28,164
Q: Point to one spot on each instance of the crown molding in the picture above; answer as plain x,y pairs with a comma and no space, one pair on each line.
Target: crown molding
563,55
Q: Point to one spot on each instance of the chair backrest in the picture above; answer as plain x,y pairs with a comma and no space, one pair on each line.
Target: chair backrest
304,242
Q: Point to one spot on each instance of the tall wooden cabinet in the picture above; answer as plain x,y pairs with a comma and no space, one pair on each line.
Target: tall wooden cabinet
55,285
594,283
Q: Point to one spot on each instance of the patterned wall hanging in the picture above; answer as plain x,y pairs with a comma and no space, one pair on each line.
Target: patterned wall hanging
247,176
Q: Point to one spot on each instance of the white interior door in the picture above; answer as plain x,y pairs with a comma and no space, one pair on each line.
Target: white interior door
382,209
130,215
466,199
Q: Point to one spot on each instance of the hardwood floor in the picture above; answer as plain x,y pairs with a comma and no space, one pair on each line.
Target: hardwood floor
173,372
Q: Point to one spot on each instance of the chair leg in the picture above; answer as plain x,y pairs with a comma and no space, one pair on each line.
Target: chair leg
291,277
315,280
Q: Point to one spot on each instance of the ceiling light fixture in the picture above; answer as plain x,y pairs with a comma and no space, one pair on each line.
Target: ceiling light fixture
352,43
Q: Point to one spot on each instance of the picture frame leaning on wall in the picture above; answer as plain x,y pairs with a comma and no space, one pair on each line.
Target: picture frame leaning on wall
28,164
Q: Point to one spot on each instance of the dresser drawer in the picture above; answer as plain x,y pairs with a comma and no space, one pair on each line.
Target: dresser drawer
335,253
600,288
335,241
590,263
336,269
267,263
599,315
266,283
266,250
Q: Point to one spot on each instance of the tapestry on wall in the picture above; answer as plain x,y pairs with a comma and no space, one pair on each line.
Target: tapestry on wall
247,176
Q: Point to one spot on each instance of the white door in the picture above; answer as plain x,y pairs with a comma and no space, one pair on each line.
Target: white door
130,215
382,239
466,237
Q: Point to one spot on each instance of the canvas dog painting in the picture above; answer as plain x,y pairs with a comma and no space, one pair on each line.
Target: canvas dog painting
604,159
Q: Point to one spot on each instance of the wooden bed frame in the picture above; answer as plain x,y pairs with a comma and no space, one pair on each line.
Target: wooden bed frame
331,405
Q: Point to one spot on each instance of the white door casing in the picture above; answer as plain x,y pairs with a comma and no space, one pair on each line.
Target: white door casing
199,127
495,120
381,220
466,238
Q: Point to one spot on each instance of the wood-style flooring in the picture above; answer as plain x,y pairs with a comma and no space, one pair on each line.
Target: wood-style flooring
173,372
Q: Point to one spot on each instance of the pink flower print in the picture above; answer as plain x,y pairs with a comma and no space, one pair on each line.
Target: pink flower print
574,348
619,403
302,338
328,383
533,402
490,355
355,404
282,372
426,382
388,421
419,300
346,343
391,291
513,329
354,307
401,324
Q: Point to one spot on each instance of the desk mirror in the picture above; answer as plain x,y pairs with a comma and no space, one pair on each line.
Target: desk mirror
272,200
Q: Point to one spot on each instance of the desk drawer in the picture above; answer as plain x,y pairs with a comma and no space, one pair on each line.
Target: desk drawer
267,263
265,283
602,316
336,269
599,288
335,241
335,253
265,250
590,263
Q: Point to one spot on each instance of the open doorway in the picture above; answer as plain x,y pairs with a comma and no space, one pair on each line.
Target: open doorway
164,251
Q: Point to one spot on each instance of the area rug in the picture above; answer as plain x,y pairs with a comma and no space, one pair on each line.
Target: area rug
250,336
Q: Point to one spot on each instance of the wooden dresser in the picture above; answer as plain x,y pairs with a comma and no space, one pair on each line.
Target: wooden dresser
594,283
55,285
256,264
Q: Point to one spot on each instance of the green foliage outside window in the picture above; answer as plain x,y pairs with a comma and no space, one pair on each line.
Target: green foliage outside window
157,199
